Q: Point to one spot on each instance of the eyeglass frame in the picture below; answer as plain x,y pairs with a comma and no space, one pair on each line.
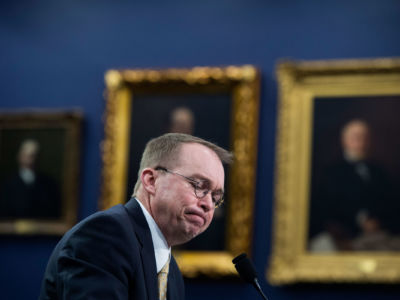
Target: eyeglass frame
195,184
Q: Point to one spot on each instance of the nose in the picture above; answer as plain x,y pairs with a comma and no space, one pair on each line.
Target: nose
206,203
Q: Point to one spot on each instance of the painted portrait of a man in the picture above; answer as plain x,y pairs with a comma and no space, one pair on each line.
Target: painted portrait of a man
355,195
31,173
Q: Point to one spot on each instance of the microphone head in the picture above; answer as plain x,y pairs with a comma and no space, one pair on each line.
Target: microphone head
245,268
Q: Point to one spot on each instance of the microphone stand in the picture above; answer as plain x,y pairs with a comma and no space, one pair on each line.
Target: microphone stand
247,271
258,288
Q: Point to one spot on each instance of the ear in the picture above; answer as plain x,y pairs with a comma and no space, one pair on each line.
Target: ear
148,178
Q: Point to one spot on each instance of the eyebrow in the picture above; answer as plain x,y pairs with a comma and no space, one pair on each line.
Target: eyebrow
205,179
200,177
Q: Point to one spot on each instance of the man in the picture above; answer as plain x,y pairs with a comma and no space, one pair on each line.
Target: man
352,194
29,193
117,253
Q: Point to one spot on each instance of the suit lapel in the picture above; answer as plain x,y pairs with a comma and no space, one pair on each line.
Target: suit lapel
171,286
175,287
147,249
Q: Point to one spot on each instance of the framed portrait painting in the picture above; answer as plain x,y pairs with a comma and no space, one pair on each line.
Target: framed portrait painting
338,172
217,104
39,170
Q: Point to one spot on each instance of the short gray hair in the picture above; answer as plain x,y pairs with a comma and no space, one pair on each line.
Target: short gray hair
165,148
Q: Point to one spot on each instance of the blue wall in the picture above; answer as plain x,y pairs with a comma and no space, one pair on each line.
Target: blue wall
53,54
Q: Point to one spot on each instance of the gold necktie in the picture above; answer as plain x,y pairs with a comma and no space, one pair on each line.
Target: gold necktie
162,281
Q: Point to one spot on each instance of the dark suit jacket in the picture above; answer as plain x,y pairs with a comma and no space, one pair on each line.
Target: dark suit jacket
341,193
41,199
109,255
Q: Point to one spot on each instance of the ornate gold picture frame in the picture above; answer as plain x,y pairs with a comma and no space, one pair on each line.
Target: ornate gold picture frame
319,101
223,102
39,171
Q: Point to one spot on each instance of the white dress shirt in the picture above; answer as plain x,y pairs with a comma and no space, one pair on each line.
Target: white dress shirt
161,250
27,175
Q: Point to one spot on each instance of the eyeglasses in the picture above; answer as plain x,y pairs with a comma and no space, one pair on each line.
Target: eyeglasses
201,187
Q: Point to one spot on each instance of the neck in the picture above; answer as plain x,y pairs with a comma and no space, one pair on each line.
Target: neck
354,157
144,199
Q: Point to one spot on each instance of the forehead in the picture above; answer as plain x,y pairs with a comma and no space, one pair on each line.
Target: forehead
355,128
197,159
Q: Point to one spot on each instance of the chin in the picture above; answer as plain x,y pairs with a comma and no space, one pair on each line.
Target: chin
187,237
191,234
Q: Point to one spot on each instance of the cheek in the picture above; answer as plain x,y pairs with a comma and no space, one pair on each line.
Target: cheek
167,195
174,205
209,219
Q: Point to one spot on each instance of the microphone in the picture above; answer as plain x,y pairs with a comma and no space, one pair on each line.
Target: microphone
247,272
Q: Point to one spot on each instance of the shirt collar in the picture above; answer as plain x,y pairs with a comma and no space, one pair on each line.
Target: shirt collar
161,250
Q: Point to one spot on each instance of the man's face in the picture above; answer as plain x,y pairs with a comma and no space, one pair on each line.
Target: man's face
27,157
178,212
355,140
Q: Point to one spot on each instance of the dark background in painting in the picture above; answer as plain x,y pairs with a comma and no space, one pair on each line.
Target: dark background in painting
150,118
382,115
54,54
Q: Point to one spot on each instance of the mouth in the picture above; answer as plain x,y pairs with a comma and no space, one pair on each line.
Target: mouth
195,217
